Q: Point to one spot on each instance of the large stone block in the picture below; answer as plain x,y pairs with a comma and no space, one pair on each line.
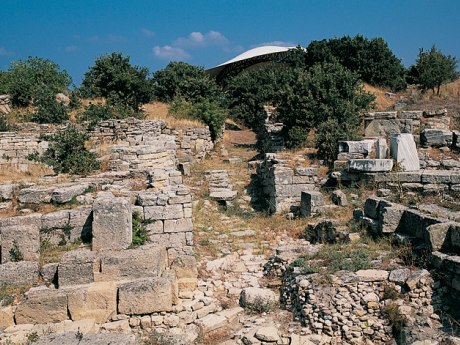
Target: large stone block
80,221
384,128
438,236
66,193
403,149
436,137
96,301
42,306
112,223
163,212
24,231
415,223
146,296
436,176
178,225
35,195
6,317
371,207
19,273
78,267
142,262
390,216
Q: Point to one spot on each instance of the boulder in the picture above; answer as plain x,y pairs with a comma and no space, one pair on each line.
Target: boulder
112,223
253,295
6,317
268,334
399,276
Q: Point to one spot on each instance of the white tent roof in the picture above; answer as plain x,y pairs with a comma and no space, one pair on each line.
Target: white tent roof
264,50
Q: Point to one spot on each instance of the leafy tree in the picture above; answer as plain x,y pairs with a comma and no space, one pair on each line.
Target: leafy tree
67,152
114,78
49,109
433,68
182,80
26,80
372,60
326,93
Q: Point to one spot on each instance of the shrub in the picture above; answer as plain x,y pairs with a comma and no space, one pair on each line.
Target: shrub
139,231
261,305
4,125
67,152
49,110
396,319
15,253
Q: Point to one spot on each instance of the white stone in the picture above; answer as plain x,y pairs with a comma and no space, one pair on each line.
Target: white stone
404,151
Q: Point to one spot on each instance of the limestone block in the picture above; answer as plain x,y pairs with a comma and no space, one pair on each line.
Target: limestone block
170,240
81,220
414,223
6,192
96,301
294,190
42,306
364,147
19,273
178,225
339,198
147,198
163,212
146,296
112,223
390,216
117,327
399,276
381,149
23,230
66,193
370,165
211,322
89,338
404,151
383,114
185,266
6,317
384,128
436,137
437,235
223,194
251,295
372,275
49,272
309,201
78,267
35,195
155,227
142,262
436,176
58,219
412,114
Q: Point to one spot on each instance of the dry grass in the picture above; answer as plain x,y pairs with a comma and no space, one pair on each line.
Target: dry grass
54,254
160,111
10,173
382,100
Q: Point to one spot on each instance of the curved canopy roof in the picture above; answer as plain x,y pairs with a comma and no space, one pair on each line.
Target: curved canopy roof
247,59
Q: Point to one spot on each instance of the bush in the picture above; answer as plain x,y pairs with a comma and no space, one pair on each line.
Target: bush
114,78
26,80
15,253
4,125
49,110
67,153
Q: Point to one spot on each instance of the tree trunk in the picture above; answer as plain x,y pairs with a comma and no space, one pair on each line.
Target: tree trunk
439,86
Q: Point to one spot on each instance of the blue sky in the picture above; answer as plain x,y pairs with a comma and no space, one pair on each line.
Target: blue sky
73,33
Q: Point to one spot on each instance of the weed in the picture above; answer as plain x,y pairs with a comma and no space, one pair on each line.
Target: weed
397,320
15,253
261,305
157,338
79,335
8,293
140,235
389,292
32,337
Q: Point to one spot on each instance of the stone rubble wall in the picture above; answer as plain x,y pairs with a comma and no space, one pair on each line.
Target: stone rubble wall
5,104
283,185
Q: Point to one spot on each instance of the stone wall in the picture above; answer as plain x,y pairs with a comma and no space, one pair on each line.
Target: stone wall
283,184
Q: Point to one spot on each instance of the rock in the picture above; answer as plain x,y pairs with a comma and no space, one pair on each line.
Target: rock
19,273
6,317
253,295
66,193
415,278
399,276
339,198
121,326
223,195
49,273
438,235
6,192
112,223
386,127
436,137
62,98
42,306
268,334
211,322
404,151
370,297
35,195
96,301
147,296
309,202
372,275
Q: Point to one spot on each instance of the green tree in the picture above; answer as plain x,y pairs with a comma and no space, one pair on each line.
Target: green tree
182,80
433,68
67,152
26,80
49,110
120,83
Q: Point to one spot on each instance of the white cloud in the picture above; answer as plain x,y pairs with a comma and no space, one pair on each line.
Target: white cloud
170,53
275,43
5,52
197,39
147,32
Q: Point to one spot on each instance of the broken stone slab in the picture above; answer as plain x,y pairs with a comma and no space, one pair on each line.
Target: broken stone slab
145,261
436,176
309,201
267,334
112,223
390,216
371,207
42,306
185,266
71,338
372,275
364,147
370,165
339,198
417,277
19,273
96,301
223,195
147,296
438,235
404,151
412,114
78,267
66,193
20,236
399,276
436,137
383,115
117,327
